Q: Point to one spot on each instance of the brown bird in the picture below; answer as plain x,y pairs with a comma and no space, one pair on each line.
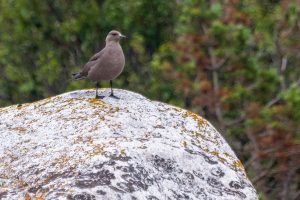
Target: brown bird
106,64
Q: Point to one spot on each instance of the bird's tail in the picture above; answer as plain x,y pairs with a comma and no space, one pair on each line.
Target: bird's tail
78,76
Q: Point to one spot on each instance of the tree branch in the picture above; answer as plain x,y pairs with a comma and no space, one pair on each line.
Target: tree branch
278,98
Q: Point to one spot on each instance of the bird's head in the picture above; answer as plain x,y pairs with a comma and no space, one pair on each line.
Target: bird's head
115,36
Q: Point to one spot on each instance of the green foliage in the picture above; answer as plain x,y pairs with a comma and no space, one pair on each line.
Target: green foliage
234,62
292,97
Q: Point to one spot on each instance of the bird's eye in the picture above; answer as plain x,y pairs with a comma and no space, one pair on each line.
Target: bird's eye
114,34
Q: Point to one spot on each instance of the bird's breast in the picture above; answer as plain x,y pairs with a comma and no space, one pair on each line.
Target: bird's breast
117,58
110,66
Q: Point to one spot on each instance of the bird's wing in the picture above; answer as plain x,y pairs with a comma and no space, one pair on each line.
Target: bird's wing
91,62
96,56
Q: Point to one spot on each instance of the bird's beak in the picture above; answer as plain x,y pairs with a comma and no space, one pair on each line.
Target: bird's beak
122,36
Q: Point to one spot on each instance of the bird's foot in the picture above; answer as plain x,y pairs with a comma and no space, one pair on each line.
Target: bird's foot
99,97
113,96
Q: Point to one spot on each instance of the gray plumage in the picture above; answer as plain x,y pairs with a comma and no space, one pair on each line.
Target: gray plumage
106,64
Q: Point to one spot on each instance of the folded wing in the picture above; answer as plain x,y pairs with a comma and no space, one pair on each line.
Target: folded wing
87,67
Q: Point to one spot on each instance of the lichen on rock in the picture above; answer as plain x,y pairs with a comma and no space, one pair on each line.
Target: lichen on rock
73,146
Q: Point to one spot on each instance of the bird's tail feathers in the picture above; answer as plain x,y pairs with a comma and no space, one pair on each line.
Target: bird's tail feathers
78,76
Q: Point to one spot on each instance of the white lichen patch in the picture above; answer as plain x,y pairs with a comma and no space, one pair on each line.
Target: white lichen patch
73,146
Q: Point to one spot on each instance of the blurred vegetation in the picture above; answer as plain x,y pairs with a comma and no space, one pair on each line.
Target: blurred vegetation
236,62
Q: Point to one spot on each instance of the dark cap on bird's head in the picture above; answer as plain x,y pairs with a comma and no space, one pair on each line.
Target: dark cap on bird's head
115,36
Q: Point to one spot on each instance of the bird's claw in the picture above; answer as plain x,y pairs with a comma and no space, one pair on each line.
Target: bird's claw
99,97
113,96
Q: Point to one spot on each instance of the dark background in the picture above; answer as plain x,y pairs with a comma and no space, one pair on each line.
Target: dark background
235,62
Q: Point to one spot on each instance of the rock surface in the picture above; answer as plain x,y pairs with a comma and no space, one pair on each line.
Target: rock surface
72,146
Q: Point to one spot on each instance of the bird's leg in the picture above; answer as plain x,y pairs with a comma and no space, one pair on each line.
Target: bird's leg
112,92
97,86
97,96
